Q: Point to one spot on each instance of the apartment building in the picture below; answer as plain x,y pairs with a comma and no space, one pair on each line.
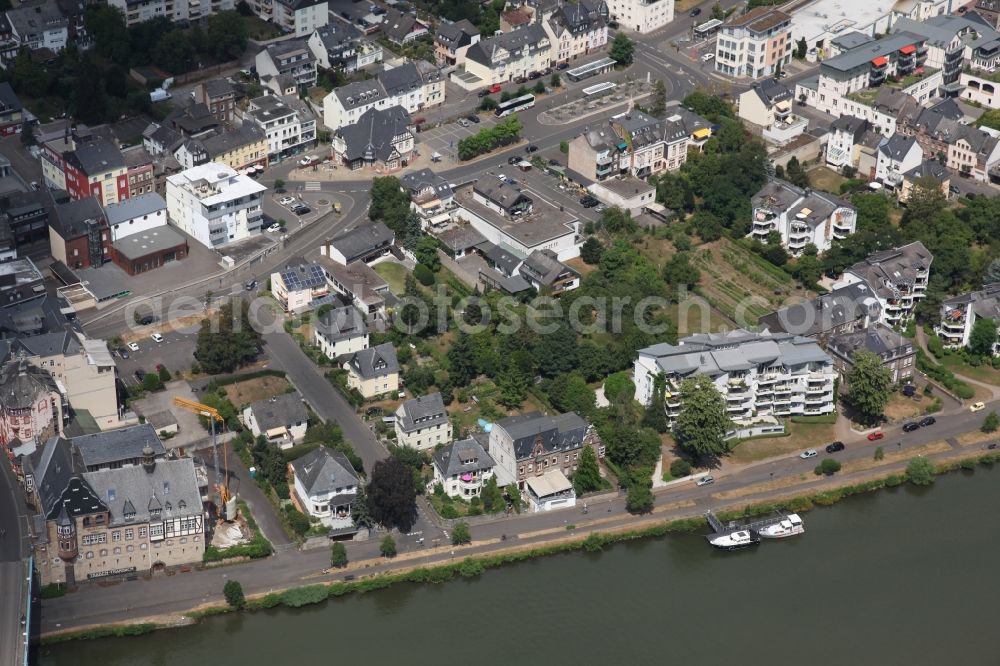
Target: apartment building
300,287
241,148
11,111
845,310
431,196
342,46
462,468
896,156
34,26
178,11
843,139
974,153
422,423
897,278
768,105
952,42
290,60
960,313
78,234
754,45
577,29
802,216
642,16
757,374
402,28
381,140
32,408
219,97
287,122
452,41
85,166
928,169
898,354
281,419
340,332
326,487
530,445
373,371
298,17
505,57
214,204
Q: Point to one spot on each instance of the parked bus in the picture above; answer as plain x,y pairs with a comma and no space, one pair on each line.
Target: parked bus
514,105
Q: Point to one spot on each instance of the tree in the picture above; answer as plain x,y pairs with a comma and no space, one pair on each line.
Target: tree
680,468
389,203
227,36
659,103
639,498
993,272
555,81
462,367
622,50
619,389
279,183
990,119
388,546
360,514
513,387
570,393
616,220
233,342
587,477
828,467
718,12
991,423
801,48
795,174
920,471
869,385
426,253
539,87
164,374
460,534
391,494
492,496
423,275
338,555
233,592
591,251
983,336
702,422
514,496
680,272
151,382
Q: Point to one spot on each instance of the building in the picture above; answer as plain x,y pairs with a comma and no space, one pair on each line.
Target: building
506,216
85,167
11,111
547,275
147,250
505,57
289,125
959,315
552,490
178,11
360,285
79,235
462,468
26,215
380,140
897,353
343,47
626,192
32,408
112,522
896,156
366,242
754,45
118,448
137,215
340,332
373,371
952,42
897,278
637,144
141,171
298,17
282,419
452,41
843,140
35,26
758,374
345,105
402,28
219,96
529,445
326,486
422,423
291,58
577,29
643,16
431,197
413,85
801,216
298,288
845,310
768,105
241,148
974,153
20,281
214,204
927,169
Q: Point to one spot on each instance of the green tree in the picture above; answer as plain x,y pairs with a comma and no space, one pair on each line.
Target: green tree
492,496
279,183
680,272
795,174
233,592
639,498
993,271
231,342
879,453
391,494
622,50
991,119
460,534
718,12
462,366
991,423
571,393
514,497
388,546
426,252
555,81
513,386
619,388
828,467
360,514
983,336
164,374
591,251
587,477
658,107
423,274
920,471
227,36
801,48
869,385
389,203
338,555
151,382
702,422
680,468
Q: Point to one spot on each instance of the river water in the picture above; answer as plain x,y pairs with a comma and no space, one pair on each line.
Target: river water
903,576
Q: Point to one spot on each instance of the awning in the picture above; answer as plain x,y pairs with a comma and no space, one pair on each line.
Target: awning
880,61
783,106
702,133
908,49
276,432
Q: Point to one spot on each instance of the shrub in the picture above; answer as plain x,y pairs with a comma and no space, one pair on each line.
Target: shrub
233,592
387,547
893,480
593,543
920,471
460,534
423,275
879,453
991,423
679,468
304,596
828,467
338,555
639,499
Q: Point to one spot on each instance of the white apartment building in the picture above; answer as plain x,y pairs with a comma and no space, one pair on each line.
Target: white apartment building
175,10
289,125
757,374
340,332
215,204
36,26
959,315
422,423
576,29
505,57
801,216
896,156
462,468
291,62
412,85
897,278
299,17
754,45
136,215
641,16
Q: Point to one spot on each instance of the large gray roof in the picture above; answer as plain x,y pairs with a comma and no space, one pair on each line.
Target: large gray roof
864,54
21,384
323,471
97,156
362,240
360,93
128,209
375,361
400,80
415,181
877,338
56,468
170,487
106,448
373,137
279,411
462,457
341,323
423,412
898,146
823,313
898,266
511,42
562,432
71,218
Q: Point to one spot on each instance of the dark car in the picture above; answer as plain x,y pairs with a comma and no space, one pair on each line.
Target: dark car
531,149
519,80
513,160
534,75
554,162
836,446
122,352
911,426
473,118
695,12
373,411
562,65
302,210
483,93
588,201
927,421
613,25
250,285
147,320
909,390
139,374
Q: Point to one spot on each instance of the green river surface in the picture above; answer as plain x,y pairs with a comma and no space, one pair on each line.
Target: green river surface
901,576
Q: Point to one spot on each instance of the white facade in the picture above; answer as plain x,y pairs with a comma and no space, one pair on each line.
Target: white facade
291,434
641,16
755,44
566,244
300,19
135,221
325,505
801,217
892,165
959,315
175,10
288,129
215,204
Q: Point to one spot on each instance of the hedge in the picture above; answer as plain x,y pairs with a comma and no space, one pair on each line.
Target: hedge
944,376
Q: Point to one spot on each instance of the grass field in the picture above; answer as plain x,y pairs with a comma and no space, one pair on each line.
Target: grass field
801,436
394,274
826,179
258,388
259,29
983,373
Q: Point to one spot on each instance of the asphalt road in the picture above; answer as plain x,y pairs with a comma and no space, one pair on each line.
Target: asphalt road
13,550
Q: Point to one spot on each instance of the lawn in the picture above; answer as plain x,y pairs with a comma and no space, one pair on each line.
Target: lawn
260,30
394,274
901,408
258,388
984,373
801,436
826,179
695,315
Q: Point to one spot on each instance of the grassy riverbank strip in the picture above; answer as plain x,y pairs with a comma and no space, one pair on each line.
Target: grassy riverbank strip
475,565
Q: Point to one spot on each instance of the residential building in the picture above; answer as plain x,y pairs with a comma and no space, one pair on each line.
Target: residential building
123,447
178,11
26,215
298,287
898,354
402,28
755,44
896,156
843,141
626,192
11,111
192,118
530,445
422,423
637,144
159,139
515,19
363,243
20,281
219,96
241,148
989,10
298,17
340,332
141,171
373,371
32,408
290,58
801,216
928,169
552,490
112,522
505,57
35,26
136,215
358,283
461,240
140,237
897,278
79,235
959,315
643,16
507,217
547,275
345,105
325,485
287,122
452,41
501,270
974,153
343,47
84,167
577,29
462,468
951,42
282,419
844,310
768,105
758,374
413,85
431,196
380,140
214,204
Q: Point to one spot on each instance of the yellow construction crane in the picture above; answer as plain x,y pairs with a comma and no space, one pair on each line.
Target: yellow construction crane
228,503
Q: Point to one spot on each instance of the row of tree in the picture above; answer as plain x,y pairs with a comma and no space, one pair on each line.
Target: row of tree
504,133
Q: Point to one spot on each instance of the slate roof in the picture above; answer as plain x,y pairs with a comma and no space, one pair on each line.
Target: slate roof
929,169
397,25
105,448
8,98
500,193
171,488
400,80
342,323
279,411
36,18
877,338
462,457
896,266
48,344
513,42
373,137
897,147
97,156
825,312
423,412
128,209
323,471
360,92
771,91
216,88
56,468
375,361
416,181
362,240
21,383
850,125
456,35
504,261
543,267
70,219
562,432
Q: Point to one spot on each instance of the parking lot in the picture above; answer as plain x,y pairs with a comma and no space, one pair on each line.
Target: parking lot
176,352
444,139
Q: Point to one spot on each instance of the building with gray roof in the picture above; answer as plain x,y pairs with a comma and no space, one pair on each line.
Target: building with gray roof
422,423
118,448
896,277
340,332
366,242
898,354
129,209
380,139
326,486
281,419
462,468
959,315
543,270
526,445
801,216
843,310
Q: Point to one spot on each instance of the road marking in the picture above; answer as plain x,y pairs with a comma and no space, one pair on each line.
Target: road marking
312,186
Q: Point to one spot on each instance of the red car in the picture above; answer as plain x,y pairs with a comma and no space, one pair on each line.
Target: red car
875,435
495,88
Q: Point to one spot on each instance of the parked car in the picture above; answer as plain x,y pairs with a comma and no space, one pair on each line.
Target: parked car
301,209
708,56
250,285
874,436
473,118
307,160
482,93
911,426
909,390
373,411
600,208
588,201
531,148
695,12
134,346
554,162
463,122
139,374
157,338
147,320
286,201
274,228
562,65
513,160
519,80
122,352
534,75
977,407
705,481
927,421
613,25
494,89
834,447
808,453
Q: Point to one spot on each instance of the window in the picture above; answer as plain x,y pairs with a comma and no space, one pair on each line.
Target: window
129,534
116,535
142,532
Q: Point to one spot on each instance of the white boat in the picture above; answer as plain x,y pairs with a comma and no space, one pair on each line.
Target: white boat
790,525
734,540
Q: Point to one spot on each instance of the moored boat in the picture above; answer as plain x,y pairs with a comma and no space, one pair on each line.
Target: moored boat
790,525
734,540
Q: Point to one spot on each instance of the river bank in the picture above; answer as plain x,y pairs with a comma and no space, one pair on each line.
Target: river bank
590,539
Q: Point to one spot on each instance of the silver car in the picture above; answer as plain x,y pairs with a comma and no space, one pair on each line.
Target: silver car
809,453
